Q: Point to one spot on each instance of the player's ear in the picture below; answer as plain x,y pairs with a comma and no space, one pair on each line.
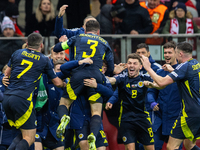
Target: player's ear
98,32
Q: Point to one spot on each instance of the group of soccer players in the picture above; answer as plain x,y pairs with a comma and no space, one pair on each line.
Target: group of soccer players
80,105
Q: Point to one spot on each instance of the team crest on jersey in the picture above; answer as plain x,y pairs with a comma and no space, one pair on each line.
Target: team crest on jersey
35,122
80,136
124,139
37,136
140,84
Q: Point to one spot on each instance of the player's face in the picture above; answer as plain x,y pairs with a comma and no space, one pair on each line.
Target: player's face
153,3
8,32
57,56
133,66
45,6
178,56
143,51
104,68
57,68
169,55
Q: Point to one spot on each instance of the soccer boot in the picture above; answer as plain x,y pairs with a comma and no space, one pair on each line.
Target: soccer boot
91,140
61,128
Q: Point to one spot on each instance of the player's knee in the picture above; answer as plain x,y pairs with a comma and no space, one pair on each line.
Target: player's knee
84,145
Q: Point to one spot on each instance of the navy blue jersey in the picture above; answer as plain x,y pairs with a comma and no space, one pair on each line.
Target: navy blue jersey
89,45
27,67
132,95
187,76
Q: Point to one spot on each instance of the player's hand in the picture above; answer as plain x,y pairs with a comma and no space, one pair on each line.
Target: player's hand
108,106
63,38
167,67
156,108
145,62
62,11
5,81
64,84
90,82
86,60
119,68
149,84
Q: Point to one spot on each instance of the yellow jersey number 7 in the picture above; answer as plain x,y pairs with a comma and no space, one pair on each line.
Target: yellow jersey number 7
30,64
93,47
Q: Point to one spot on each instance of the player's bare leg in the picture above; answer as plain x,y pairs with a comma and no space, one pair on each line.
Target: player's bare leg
149,147
190,145
173,143
101,148
28,138
84,145
130,146
95,123
63,108
38,146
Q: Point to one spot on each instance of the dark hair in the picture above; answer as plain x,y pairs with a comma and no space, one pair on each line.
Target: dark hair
59,62
170,44
92,25
34,40
143,45
134,56
105,62
186,47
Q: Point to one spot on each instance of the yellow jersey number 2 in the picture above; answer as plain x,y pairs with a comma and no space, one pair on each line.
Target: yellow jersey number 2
93,47
30,64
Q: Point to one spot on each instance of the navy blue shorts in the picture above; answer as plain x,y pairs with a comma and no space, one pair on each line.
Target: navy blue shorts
75,85
186,128
81,134
20,112
140,130
49,142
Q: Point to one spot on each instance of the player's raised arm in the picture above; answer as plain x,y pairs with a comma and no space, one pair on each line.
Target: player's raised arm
161,81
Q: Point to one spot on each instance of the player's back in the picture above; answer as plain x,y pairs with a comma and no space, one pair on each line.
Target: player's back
189,85
27,67
93,46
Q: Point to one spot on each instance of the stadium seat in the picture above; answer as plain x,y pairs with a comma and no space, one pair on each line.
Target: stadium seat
111,134
197,20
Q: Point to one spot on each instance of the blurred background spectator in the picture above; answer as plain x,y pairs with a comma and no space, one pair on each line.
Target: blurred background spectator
28,9
110,15
8,47
13,13
136,21
180,22
43,20
159,15
3,5
76,12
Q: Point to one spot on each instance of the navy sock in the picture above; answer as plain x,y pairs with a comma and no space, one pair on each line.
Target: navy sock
195,148
16,140
62,110
95,124
22,145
